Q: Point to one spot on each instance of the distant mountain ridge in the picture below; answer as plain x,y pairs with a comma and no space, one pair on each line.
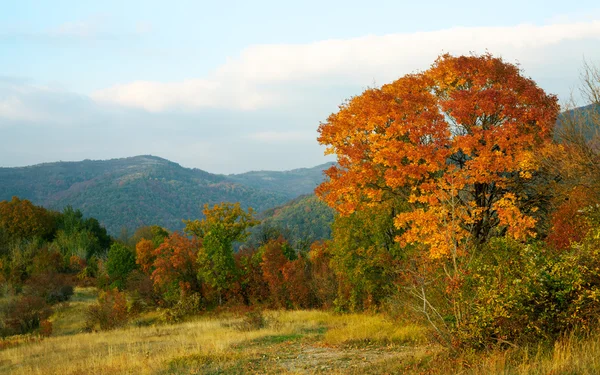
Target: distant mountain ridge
145,189
292,183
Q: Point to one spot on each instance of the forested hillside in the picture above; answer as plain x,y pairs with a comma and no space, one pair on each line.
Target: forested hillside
301,221
291,183
144,190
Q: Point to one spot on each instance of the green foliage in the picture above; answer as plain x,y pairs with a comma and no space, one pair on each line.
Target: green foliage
72,221
516,293
363,252
301,222
223,225
153,233
80,243
120,263
215,260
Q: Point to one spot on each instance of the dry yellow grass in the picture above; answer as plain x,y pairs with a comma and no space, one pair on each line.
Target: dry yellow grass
69,318
571,355
360,328
133,350
193,344
293,342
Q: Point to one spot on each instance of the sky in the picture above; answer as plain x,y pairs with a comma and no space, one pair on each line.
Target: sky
232,86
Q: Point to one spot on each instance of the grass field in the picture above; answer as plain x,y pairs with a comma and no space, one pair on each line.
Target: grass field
291,342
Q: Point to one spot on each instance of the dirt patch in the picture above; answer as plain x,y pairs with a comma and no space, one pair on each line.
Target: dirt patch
319,359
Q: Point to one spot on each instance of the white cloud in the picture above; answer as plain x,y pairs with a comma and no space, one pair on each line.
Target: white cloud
185,95
256,78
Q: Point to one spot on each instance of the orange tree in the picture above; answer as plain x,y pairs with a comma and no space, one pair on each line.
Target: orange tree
173,266
20,219
453,141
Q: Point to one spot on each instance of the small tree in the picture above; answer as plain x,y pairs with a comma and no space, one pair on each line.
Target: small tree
223,225
120,262
174,267
273,263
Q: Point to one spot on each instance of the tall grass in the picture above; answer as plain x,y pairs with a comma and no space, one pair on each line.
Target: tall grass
290,342
368,329
133,350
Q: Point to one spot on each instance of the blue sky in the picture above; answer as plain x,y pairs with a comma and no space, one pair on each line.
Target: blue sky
242,85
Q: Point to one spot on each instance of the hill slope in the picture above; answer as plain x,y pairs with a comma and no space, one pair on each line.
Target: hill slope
136,191
302,220
291,183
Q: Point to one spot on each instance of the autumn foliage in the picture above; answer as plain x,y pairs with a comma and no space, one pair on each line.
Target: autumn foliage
20,219
174,267
452,141
458,206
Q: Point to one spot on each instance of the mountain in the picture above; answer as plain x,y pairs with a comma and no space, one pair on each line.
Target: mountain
581,120
302,221
144,190
291,183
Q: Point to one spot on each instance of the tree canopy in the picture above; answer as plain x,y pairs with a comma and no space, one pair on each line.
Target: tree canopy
453,141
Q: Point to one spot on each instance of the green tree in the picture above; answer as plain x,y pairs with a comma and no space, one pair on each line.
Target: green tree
82,237
120,262
364,254
223,225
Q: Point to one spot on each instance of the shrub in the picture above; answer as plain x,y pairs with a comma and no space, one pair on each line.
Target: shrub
61,294
141,290
519,293
77,264
90,271
23,315
297,274
110,312
52,287
187,305
45,328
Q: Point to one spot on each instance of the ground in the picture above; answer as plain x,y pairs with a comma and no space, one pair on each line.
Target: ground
284,342
294,342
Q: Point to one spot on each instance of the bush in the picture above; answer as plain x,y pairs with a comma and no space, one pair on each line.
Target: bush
45,328
110,312
187,305
520,293
23,315
140,288
61,294
52,287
